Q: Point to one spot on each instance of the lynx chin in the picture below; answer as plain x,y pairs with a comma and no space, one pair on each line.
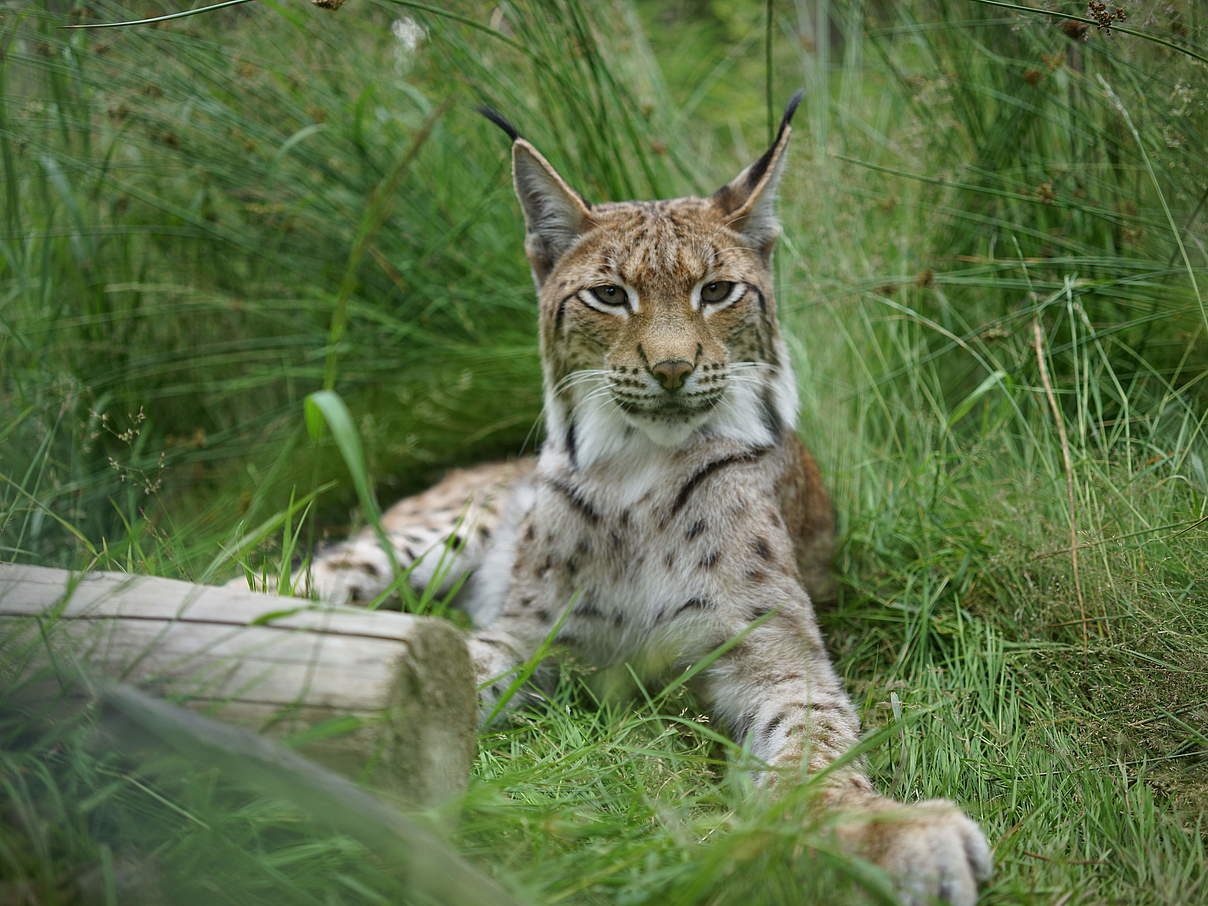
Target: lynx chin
672,507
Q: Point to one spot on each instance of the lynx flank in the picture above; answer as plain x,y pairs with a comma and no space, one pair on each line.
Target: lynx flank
672,506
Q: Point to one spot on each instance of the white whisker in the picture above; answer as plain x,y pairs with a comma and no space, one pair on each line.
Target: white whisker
582,376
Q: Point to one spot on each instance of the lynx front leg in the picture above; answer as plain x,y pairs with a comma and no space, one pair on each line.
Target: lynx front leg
517,607
498,658
778,693
501,650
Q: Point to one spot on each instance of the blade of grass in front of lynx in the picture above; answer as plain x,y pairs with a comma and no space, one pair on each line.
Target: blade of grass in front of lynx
974,190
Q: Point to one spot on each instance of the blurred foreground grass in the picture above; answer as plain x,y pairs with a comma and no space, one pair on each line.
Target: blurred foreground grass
206,221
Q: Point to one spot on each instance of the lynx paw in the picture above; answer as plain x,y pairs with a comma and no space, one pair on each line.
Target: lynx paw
338,584
349,573
340,581
934,852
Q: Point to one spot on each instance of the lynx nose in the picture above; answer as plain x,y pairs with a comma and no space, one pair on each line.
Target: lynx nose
672,373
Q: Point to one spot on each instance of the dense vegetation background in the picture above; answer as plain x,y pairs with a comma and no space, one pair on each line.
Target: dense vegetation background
993,273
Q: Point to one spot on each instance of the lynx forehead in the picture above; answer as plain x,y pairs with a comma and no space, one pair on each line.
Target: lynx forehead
673,520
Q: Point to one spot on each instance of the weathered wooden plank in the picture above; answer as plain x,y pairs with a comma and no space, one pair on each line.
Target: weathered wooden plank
280,667
278,664
101,594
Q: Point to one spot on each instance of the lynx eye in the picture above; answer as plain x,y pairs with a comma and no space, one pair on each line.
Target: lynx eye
609,294
718,291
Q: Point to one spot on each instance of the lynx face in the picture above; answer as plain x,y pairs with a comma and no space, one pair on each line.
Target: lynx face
657,318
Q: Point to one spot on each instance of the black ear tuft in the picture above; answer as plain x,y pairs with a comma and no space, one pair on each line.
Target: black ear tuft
760,166
499,120
794,102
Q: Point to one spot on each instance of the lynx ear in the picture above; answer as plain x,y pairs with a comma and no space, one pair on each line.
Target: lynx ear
554,214
749,200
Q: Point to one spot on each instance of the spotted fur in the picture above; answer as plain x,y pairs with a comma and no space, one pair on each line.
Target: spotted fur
672,510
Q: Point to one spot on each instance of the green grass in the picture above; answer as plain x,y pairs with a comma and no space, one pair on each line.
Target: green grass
204,223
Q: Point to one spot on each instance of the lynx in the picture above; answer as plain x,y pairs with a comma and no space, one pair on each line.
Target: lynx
672,508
